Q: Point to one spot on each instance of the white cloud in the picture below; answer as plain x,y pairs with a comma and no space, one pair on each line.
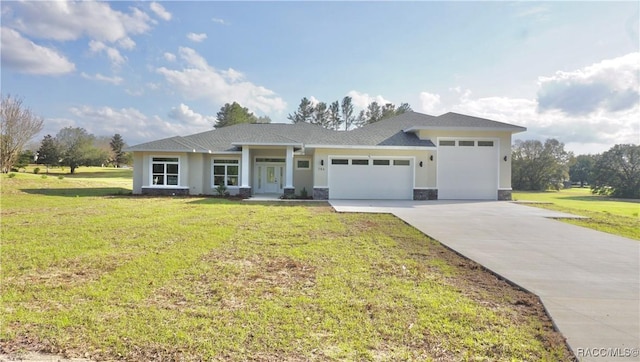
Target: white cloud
199,80
429,102
169,57
25,56
611,85
126,43
160,11
197,38
71,20
112,53
314,101
103,78
362,100
188,117
219,21
135,126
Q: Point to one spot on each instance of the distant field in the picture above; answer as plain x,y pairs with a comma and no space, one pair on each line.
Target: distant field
88,270
615,216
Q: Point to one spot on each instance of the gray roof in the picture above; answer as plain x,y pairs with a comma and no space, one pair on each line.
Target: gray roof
397,131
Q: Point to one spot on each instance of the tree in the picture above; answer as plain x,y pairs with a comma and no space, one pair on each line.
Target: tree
404,107
234,113
388,111
49,152
76,147
347,112
320,115
373,113
18,125
617,172
537,166
334,116
263,119
304,113
580,169
118,155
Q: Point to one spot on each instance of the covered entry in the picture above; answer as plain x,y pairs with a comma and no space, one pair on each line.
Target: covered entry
468,169
370,178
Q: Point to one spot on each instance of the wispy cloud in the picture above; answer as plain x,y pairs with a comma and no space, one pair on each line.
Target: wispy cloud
103,78
160,11
197,38
220,21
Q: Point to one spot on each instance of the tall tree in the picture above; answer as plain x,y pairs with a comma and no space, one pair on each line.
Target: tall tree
373,113
334,116
580,169
49,152
388,111
118,155
617,172
403,108
320,115
18,125
347,112
304,113
263,119
538,166
234,113
76,147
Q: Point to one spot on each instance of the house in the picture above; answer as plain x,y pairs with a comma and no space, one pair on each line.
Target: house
410,156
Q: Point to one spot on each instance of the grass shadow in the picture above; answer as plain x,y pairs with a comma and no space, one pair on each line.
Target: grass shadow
597,198
80,192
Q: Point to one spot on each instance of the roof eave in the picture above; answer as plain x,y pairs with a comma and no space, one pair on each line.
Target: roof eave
512,129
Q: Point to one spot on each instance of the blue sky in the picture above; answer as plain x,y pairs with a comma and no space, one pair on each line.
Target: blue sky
149,70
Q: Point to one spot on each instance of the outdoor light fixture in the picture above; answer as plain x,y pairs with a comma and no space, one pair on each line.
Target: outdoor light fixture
431,158
321,162
505,158
420,163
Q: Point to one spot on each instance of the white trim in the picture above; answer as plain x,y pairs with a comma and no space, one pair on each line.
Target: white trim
239,164
278,144
379,148
150,180
296,160
514,129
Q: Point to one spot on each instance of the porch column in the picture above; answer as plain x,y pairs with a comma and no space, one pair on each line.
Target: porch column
289,168
244,174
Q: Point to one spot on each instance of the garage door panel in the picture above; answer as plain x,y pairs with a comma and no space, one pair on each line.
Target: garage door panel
371,181
468,172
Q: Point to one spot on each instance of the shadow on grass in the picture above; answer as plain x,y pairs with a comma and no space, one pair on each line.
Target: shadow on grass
237,201
80,192
597,198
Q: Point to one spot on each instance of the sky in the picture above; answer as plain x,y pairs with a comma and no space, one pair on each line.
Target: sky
149,70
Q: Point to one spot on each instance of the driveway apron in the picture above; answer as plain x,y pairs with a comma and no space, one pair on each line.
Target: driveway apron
588,281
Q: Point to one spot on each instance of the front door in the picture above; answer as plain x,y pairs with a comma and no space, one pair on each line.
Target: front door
270,178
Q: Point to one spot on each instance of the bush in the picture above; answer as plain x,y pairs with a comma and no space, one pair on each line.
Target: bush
221,190
11,175
36,170
303,193
44,176
60,177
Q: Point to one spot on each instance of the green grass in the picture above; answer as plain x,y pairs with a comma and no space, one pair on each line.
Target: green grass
88,271
615,216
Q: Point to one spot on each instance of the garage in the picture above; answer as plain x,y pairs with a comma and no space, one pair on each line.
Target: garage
371,178
467,169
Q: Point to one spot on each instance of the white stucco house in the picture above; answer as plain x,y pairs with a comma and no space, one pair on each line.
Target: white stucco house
410,156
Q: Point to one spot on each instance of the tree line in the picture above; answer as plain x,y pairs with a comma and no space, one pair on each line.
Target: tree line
546,165
337,115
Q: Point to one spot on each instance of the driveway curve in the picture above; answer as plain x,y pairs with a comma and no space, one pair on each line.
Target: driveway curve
588,281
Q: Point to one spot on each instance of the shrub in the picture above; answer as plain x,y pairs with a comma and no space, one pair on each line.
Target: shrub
60,177
221,190
303,193
44,176
36,170
11,175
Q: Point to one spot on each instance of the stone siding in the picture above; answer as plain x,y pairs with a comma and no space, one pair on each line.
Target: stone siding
320,193
157,191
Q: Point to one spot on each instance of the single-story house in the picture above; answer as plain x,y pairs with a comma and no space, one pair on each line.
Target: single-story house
410,156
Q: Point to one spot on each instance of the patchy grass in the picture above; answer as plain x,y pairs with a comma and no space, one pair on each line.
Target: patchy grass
88,272
615,216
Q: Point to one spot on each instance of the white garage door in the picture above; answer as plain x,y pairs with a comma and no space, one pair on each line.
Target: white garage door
364,178
468,169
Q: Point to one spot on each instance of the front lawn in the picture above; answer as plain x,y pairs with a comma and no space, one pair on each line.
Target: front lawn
90,271
615,216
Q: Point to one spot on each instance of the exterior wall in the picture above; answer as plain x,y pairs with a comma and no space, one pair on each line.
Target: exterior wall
196,174
303,179
138,172
321,171
142,172
504,177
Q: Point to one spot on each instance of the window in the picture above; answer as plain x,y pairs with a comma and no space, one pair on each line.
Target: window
303,164
485,143
447,143
164,171
381,162
401,162
339,161
467,143
360,162
226,172
273,160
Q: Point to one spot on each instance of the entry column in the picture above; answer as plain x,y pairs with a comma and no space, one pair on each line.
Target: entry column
245,186
289,189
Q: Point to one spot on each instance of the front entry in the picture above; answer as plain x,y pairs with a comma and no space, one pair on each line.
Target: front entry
269,178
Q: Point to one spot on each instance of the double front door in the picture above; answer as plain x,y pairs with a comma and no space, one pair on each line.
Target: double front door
269,178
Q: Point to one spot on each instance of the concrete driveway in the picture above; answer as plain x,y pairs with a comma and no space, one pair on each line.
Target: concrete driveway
588,281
